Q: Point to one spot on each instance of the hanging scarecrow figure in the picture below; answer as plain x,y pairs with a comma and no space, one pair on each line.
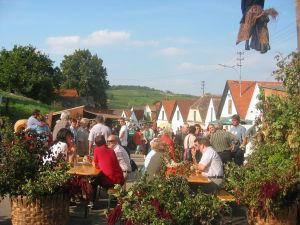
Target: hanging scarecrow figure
254,25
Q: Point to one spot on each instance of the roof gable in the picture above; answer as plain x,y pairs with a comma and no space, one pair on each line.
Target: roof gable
139,114
242,101
184,107
169,106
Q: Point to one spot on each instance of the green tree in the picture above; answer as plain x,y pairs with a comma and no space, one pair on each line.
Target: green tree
27,71
85,72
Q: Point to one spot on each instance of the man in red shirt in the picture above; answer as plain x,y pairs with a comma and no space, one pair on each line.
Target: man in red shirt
106,159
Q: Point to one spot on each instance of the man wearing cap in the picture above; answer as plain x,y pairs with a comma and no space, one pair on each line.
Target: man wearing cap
98,129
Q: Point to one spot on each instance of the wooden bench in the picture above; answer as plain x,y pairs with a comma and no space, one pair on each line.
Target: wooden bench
225,196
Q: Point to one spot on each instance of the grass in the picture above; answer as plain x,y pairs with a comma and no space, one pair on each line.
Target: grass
119,97
21,107
127,96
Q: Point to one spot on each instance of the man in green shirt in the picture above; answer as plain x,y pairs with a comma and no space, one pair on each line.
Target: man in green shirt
222,142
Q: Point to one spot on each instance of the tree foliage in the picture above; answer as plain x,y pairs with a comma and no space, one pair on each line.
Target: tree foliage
85,72
268,182
27,71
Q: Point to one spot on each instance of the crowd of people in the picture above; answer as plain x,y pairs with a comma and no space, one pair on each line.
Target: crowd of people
110,147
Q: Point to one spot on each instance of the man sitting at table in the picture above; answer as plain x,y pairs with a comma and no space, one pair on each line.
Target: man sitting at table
210,164
106,160
122,155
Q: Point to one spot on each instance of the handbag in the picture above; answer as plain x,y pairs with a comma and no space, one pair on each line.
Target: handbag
134,167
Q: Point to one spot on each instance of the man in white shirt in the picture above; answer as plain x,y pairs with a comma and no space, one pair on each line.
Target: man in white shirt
122,156
210,165
32,120
239,132
123,134
97,130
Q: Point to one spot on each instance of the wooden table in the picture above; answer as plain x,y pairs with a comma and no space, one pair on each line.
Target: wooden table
193,178
84,169
198,179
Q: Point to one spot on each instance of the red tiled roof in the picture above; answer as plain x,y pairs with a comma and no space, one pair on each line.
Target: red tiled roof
184,107
157,105
67,92
247,88
169,107
139,114
216,103
127,113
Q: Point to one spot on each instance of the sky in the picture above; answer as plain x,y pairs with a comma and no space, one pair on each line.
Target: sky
164,44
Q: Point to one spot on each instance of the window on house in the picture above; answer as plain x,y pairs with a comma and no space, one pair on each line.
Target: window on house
211,114
163,115
194,116
230,106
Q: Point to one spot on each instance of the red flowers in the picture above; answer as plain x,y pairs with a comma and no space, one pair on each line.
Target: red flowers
161,212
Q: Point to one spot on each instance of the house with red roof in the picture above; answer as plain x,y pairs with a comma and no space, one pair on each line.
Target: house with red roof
165,113
180,113
69,98
204,110
241,98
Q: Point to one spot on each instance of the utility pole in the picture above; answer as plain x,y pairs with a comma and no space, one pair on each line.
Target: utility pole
202,87
239,64
298,23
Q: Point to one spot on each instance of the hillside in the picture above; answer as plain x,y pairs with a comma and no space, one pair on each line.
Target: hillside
118,97
124,96
20,107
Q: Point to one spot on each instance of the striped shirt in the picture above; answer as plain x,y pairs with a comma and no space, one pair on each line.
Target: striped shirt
222,140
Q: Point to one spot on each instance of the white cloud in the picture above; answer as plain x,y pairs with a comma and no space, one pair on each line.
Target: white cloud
180,40
187,66
64,40
63,45
171,51
105,37
137,43
66,44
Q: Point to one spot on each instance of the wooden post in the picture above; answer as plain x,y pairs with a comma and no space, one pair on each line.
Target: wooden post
298,23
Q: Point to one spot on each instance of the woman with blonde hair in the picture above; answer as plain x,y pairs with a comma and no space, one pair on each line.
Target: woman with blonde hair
154,159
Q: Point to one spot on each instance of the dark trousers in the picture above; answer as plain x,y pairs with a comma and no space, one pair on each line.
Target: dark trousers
225,156
127,150
238,156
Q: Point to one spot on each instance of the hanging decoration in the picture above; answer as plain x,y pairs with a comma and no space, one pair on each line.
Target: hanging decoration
253,25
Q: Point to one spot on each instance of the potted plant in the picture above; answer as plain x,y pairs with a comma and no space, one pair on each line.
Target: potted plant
269,183
39,192
165,201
